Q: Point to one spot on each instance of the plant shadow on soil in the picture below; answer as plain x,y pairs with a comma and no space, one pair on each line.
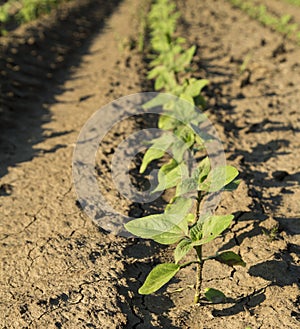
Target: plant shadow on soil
148,311
29,82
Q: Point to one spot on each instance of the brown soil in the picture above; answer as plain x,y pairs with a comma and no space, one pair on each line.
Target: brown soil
58,269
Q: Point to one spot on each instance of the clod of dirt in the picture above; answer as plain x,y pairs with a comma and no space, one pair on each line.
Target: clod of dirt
245,78
5,189
279,50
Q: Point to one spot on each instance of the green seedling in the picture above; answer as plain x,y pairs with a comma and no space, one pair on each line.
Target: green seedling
32,9
293,2
245,63
23,11
263,15
7,11
183,223
189,231
272,234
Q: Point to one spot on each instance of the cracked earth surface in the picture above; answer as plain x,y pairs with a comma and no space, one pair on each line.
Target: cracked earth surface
58,269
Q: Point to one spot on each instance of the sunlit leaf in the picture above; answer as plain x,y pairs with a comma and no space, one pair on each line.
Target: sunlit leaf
218,178
166,228
184,59
232,185
196,232
186,186
161,228
160,275
211,227
190,184
170,175
157,150
203,170
195,86
167,122
159,100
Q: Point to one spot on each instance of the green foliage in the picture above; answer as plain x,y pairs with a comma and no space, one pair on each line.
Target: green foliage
218,178
208,228
293,2
160,275
166,228
230,258
260,12
31,9
6,12
170,175
156,151
272,234
182,223
182,249
214,295
23,11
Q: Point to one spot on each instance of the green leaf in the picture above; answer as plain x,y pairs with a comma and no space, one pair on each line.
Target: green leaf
200,101
157,71
162,228
160,275
184,59
190,219
165,80
230,258
186,186
187,98
196,232
170,175
195,86
159,100
233,185
198,175
218,178
214,295
187,113
203,136
211,227
166,228
203,170
179,206
183,143
183,247
167,122
157,150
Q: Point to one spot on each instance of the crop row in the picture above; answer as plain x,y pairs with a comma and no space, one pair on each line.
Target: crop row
192,174
293,2
16,12
263,15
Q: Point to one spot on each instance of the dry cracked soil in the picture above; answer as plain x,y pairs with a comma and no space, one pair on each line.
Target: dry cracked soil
59,269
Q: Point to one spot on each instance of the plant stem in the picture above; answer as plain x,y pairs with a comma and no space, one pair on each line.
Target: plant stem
199,254
189,263
199,274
